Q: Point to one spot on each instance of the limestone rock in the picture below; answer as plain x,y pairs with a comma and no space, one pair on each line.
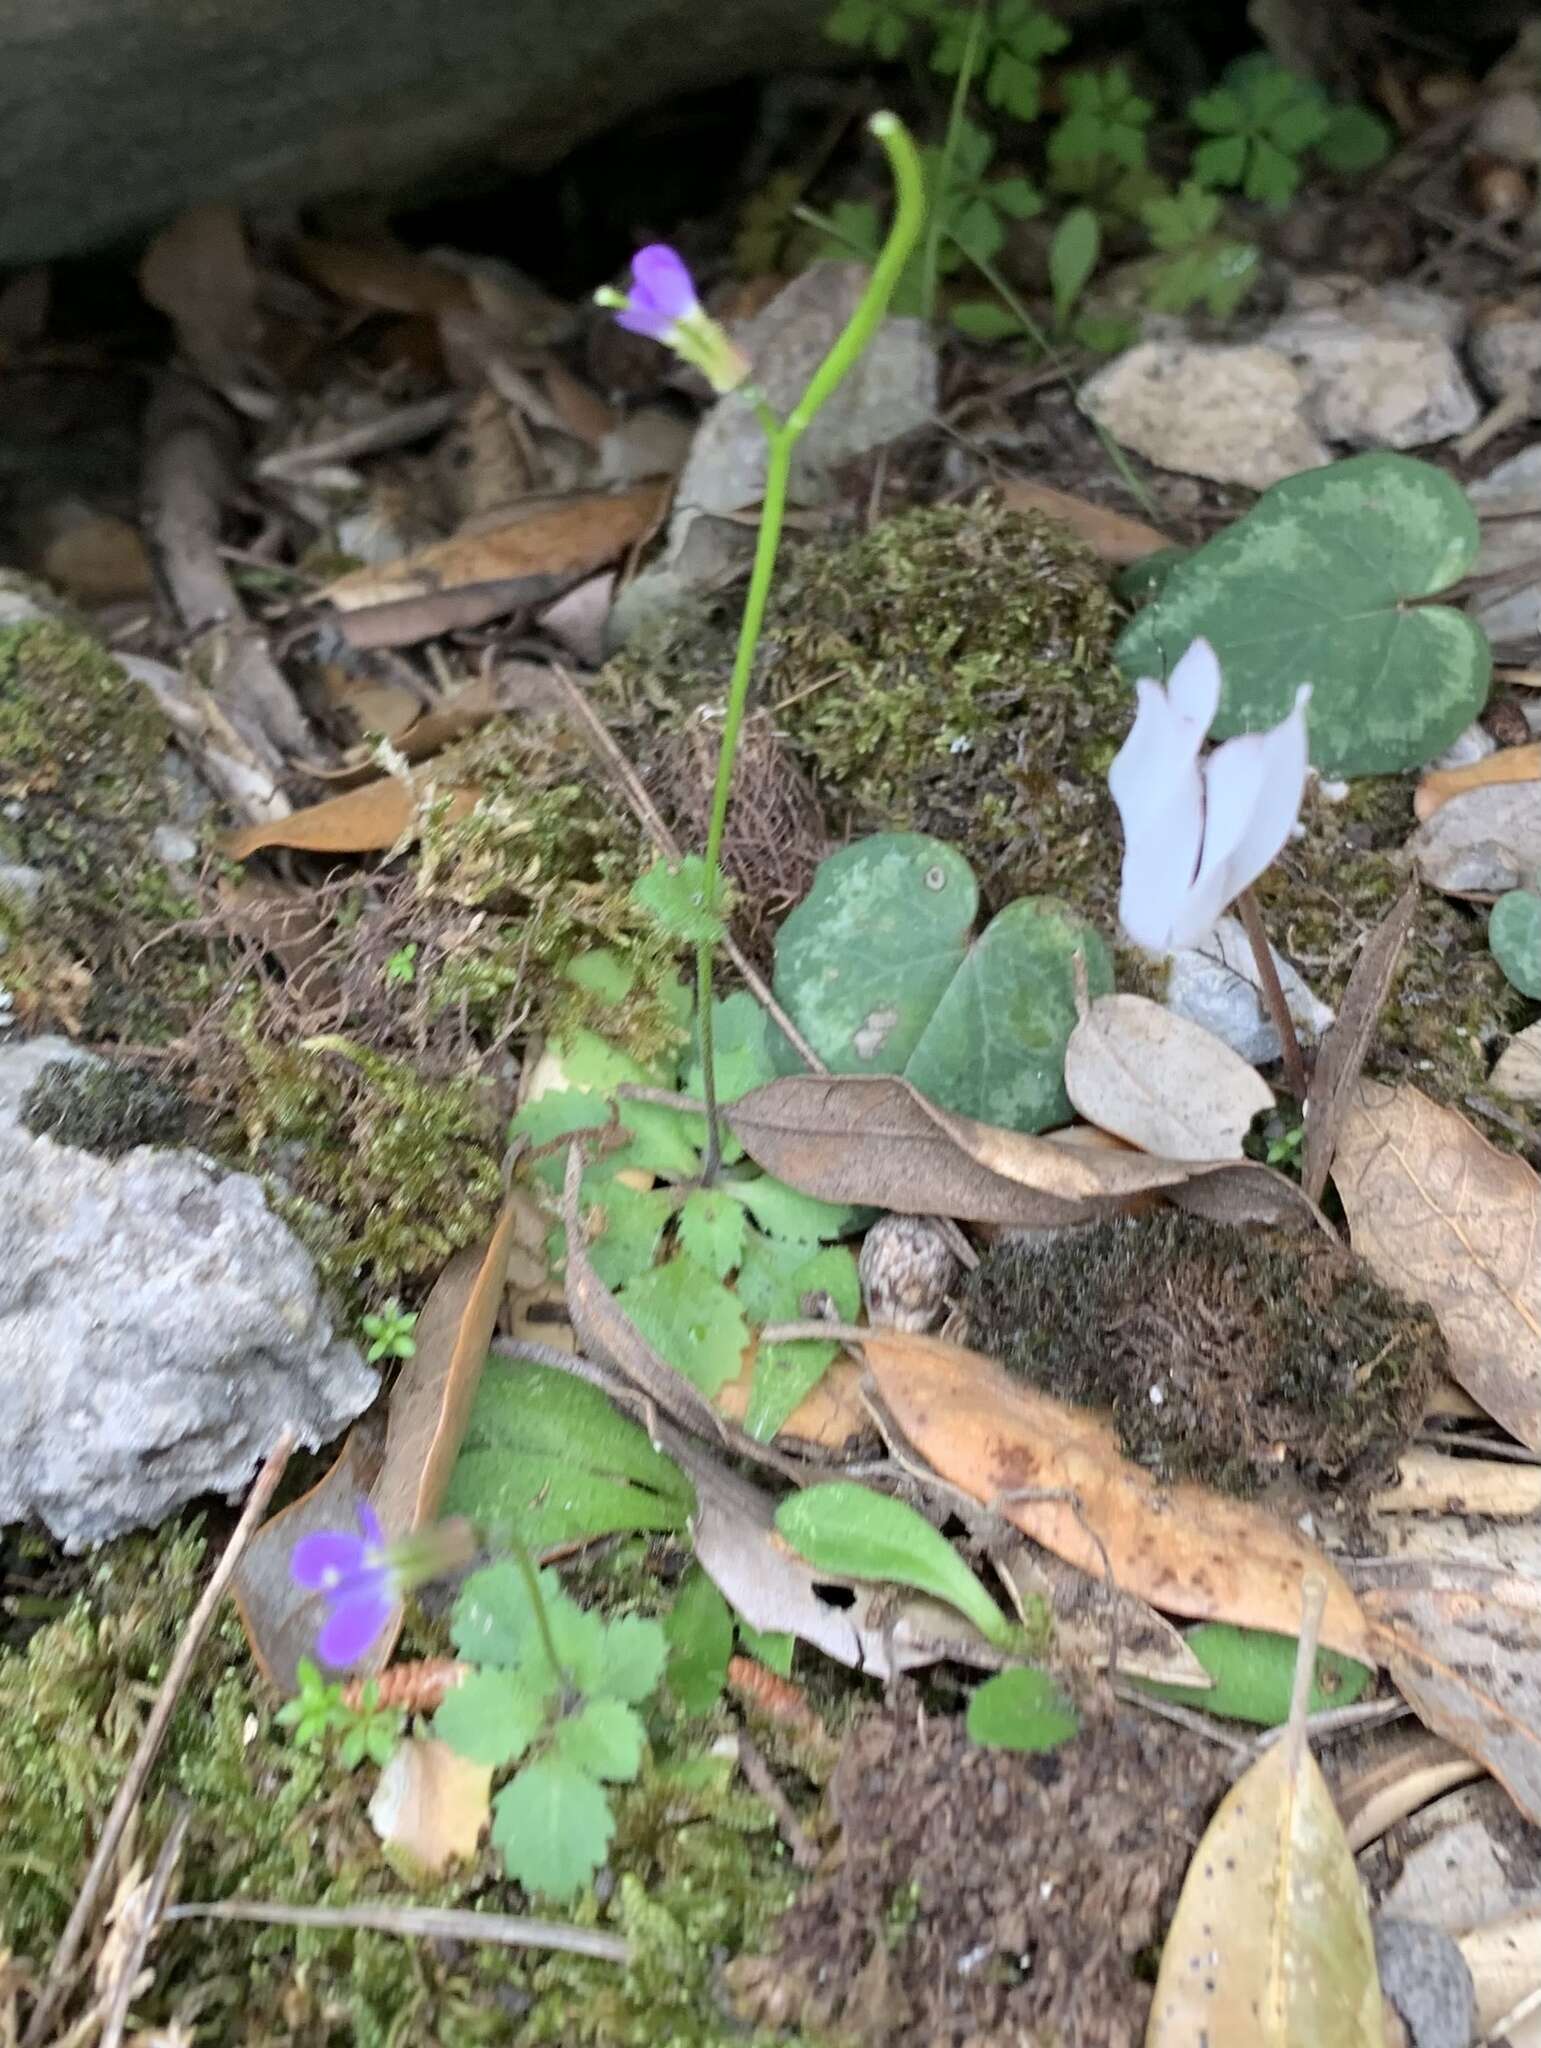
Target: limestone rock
1380,371
1215,984
1506,354
1508,502
1235,415
891,391
158,1327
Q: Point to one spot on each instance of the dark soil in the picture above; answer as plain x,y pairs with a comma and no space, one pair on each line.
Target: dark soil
1243,1359
979,1897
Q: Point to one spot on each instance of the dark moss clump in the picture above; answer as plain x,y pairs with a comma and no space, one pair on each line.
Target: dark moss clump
83,784
948,672
1247,1360
103,1108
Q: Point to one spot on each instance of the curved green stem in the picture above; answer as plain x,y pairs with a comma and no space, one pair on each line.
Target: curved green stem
531,1579
781,438
930,255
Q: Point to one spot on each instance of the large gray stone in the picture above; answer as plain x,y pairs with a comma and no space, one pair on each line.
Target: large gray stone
158,1327
116,114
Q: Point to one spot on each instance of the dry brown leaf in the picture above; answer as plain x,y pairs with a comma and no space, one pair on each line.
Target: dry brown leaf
1518,1070
579,406
1463,1645
431,1804
369,819
1112,535
1504,1958
874,1139
94,557
199,273
1086,1634
558,537
383,276
1483,842
1342,1055
1409,1772
578,619
1160,1082
1509,764
1056,1473
1429,1481
1442,1216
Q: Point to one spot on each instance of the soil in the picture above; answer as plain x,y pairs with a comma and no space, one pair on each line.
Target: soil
978,1897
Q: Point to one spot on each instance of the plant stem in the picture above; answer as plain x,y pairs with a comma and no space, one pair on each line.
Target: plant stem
1273,994
928,260
531,1579
781,440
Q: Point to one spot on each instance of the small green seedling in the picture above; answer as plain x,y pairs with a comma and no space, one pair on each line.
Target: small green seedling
1021,1709
554,1696
319,1712
389,1331
401,968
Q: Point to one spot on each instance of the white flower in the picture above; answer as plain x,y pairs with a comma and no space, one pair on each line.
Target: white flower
1197,834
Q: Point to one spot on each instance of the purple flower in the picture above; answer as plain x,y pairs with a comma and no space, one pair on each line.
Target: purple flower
356,1577
662,304
661,295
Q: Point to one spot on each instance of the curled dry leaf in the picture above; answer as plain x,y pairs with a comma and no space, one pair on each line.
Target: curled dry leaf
874,1139
1442,1217
384,276
199,273
1430,1481
1408,1772
1113,535
1160,1081
1483,842
1056,1473
1271,1941
431,1804
401,1472
1342,1055
1504,1958
1463,1645
1509,764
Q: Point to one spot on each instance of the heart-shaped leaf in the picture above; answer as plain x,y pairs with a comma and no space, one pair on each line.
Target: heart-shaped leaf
1318,584
878,971
1514,933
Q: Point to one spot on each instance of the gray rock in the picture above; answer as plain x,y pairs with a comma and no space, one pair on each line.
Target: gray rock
1508,503
891,391
1425,1976
1467,748
1506,355
158,1326
1378,374
1215,984
1235,415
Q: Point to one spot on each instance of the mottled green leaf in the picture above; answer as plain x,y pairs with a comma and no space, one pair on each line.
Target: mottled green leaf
1514,934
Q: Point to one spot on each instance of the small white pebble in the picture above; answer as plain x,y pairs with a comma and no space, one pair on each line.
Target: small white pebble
249,1729
1157,1396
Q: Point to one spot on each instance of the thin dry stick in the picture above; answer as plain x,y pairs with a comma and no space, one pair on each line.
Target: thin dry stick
133,1785
1313,1604
762,1782
1340,1720
1273,994
433,1923
1503,2029
150,1914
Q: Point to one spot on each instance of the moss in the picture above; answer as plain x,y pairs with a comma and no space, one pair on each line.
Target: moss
83,785
103,1108
1244,1359
385,1170
696,1870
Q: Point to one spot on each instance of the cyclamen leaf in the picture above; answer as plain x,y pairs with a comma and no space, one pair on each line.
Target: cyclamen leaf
1514,934
604,1738
492,1717
853,1532
711,1229
552,1826
691,1319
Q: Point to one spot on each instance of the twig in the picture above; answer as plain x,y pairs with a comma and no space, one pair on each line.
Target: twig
394,429
150,1912
263,1488
762,1782
1313,1603
1340,1720
433,1923
1273,994
1184,1717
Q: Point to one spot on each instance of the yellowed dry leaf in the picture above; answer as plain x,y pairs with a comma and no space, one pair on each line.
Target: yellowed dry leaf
431,1804
369,819
557,537
1518,1069
1270,1944
1509,764
1055,1471
1161,1082
1112,535
1443,1217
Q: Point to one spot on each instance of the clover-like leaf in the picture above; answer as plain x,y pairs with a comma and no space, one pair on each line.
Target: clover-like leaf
691,1319
1318,584
494,1619
552,1826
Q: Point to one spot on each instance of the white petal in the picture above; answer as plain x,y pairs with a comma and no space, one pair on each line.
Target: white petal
1193,687
1252,791
1158,872
1157,764
1285,756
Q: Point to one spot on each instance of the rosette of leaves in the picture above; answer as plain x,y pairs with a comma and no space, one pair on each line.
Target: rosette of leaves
553,1692
1262,120
1013,38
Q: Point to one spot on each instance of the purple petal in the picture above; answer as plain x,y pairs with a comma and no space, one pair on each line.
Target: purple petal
353,1624
369,1522
661,285
324,1558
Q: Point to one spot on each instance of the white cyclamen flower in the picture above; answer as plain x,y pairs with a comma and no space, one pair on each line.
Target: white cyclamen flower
1196,833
